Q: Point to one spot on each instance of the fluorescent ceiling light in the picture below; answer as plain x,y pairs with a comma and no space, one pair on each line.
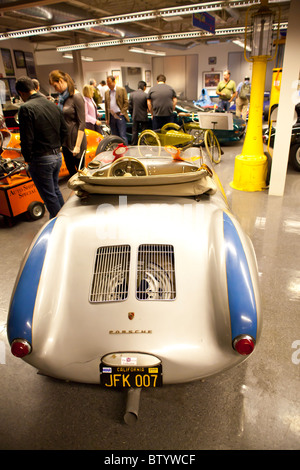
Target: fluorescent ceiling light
84,58
241,44
173,18
140,50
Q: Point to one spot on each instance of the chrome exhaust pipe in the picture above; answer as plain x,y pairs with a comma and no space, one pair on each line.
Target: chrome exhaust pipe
132,405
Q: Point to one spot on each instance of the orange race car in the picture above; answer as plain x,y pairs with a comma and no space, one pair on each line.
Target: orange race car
10,144
18,193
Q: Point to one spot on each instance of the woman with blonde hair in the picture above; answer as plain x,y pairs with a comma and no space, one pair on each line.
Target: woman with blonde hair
91,115
71,103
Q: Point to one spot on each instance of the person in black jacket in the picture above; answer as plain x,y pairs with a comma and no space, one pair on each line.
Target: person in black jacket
138,109
42,132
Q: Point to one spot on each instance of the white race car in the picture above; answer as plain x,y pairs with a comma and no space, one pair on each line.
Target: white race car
144,278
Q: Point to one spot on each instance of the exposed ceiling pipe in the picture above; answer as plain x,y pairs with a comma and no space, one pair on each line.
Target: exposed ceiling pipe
39,13
233,13
106,31
57,15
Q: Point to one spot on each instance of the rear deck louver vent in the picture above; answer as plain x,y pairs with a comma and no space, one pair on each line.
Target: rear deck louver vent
111,274
156,272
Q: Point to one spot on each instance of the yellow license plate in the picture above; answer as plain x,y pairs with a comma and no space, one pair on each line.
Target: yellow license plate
127,376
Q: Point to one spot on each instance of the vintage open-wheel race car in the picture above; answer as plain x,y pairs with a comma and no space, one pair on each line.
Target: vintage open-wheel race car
270,133
145,278
10,146
171,134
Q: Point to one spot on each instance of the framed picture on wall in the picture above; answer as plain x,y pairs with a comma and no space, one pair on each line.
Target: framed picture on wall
7,62
211,79
12,87
4,90
212,61
19,59
134,70
148,77
117,75
30,65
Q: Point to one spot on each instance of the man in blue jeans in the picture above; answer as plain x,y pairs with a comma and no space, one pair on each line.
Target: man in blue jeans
116,107
42,132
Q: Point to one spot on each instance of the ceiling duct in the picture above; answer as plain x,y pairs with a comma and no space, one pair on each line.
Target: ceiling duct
54,13
233,13
38,13
58,15
106,31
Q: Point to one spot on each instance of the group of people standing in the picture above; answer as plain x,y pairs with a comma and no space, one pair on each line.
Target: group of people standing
47,130
160,102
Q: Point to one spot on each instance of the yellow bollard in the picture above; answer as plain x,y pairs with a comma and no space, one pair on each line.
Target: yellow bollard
250,173
251,166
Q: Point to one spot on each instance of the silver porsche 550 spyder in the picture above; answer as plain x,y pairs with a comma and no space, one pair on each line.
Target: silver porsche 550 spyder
144,278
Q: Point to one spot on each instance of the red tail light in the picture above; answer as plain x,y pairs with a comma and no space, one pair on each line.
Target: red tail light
20,347
244,344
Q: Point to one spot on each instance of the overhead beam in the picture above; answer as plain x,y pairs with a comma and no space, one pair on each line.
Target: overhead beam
159,37
118,19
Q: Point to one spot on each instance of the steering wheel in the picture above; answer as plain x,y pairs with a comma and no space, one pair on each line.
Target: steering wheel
127,166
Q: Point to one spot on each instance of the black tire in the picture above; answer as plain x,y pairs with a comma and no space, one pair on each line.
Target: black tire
36,210
109,142
294,157
269,161
266,113
273,115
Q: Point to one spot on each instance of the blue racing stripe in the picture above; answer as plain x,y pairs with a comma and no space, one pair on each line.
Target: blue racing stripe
241,296
19,323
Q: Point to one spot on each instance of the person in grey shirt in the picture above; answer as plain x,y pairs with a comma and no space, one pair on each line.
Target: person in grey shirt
162,100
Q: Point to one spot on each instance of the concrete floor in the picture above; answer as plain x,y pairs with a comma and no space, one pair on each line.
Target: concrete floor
253,406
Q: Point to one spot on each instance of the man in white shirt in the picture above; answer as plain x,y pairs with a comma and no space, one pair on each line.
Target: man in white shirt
102,87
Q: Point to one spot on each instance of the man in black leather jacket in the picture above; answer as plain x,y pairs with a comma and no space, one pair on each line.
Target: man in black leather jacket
42,133
138,109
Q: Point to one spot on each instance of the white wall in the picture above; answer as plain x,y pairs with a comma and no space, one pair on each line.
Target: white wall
105,60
